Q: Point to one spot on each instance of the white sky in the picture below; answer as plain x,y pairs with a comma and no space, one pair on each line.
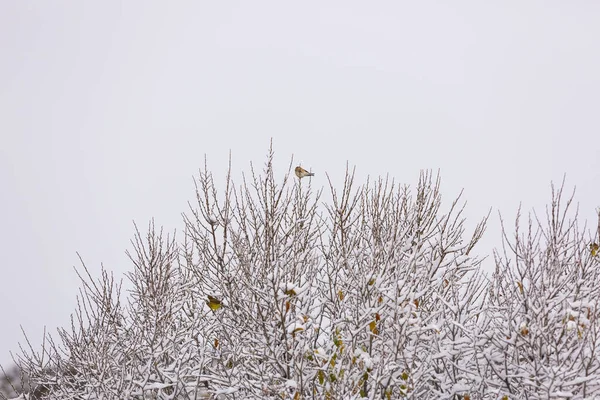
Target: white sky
107,108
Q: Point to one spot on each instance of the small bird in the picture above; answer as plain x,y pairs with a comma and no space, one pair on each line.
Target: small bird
594,249
213,303
301,172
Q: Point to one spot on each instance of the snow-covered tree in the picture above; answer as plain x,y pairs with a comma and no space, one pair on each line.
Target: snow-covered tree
377,293
541,331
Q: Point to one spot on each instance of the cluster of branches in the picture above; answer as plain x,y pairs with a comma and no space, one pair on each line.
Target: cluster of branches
375,294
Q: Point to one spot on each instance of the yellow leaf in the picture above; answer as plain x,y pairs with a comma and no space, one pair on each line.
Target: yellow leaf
520,285
336,341
341,295
594,249
298,329
373,327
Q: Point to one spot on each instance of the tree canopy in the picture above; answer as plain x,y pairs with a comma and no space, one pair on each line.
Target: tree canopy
271,292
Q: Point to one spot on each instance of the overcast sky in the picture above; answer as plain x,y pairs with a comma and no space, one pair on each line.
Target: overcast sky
107,109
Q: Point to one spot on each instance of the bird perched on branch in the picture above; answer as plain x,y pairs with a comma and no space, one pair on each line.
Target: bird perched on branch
213,303
301,172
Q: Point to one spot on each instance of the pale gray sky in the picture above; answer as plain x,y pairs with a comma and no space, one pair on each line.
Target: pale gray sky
107,108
